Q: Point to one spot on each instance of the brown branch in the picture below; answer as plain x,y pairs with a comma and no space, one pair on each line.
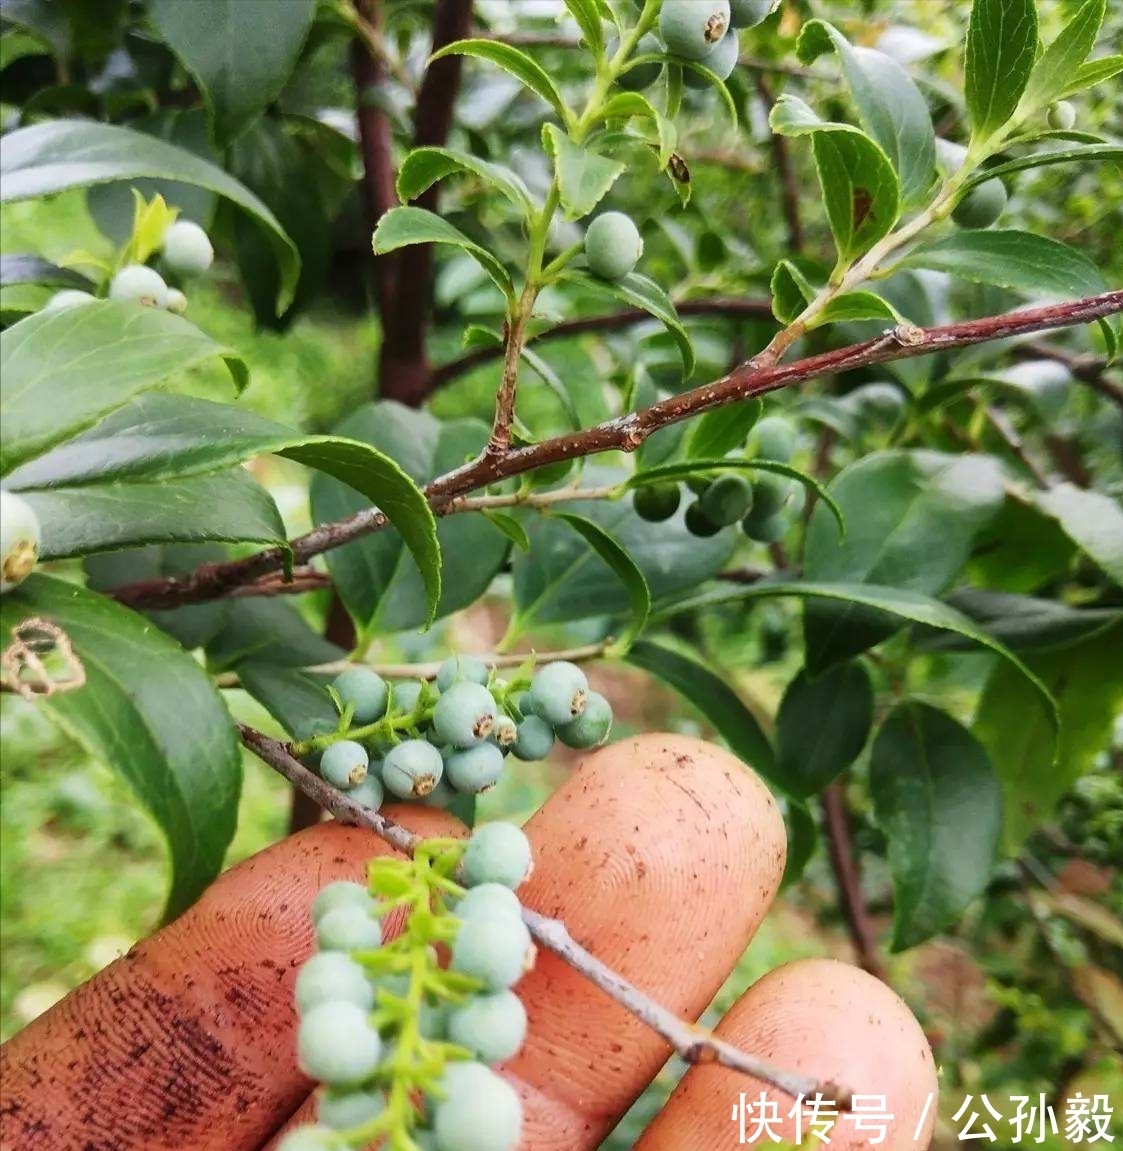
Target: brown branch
1087,369
694,1044
844,863
568,329
788,181
624,433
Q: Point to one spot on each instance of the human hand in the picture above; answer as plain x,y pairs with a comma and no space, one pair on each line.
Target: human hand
662,854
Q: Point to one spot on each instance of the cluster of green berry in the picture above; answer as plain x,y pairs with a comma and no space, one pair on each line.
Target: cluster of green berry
20,540
186,251
383,1026
761,505
432,741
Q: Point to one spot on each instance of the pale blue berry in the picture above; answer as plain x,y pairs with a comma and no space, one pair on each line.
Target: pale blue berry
487,901
345,763
497,952
396,984
365,690
406,693
432,1021
461,667
497,853
370,793
177,301
693,28
341,893
504,732
613,246
20,539
749,13
68,298
479,1111
332,976
534,740
492,1027
721,61
309,1139
412,769
558,692
187,248
441,796
464,715
591,727
348,929
474,769
140,285
345,1110
336,1044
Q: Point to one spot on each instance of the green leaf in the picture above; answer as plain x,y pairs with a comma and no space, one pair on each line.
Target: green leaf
584,177
1083,155
423,167
890,105
298,700
524,68
60,154
803,840
29,269
61,371
822,726
1085,681
379,586
1093,521
401,227
588,17
239,59
1091,73
1021,261
791,291
225,506
262,630
150,712
791,116
854,306
936,797
714,698
1001,50
720,431
626,570
627,104
1054,70
913,517
511,528
555,383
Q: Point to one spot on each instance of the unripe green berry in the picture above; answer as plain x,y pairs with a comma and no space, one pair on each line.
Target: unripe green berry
405,695
504,732
345,763
479,1111
365,690
534,740
497,853
412,769
1061,116
698,484
693,28
68,298
721,61
613,246
643,76
488,900
591,727
498,952
982,206
336,1044
370,793
177,301
461,667
770,493
341,893
698,523
558,691
141,285
749,13
464,714
949,155
727,499
345,1110
330,977
309,1139
474,769
657,502
765,529
492,1027
773,438
348,929
20,540
187,249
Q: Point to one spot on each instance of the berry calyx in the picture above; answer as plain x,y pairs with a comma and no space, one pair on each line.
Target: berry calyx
464,714
344,764
693,28
412,769
336,1044
365,690
591,727
20,540
497,853
558,692
657,502
504,732
187,249
138,284
613,246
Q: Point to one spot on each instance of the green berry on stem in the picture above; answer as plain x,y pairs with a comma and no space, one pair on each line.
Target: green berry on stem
749,13
727,499
336,1044
764,529
479,1111
140,285
329,977
982,206
644,75
698,523
558,692
492,1027
464,714
591,727
657,502
461,667
534,740
497,853
20,540
348,929
721,61
474,769
177,301
412,769
341,893
365,690
68,298
345,1110
488,900
693,28
773,438
770,493
370,794
187,249
698,484
613,246
309,1139
1061,116
344,763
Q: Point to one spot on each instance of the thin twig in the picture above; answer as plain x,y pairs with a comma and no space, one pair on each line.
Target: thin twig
694,1044
531,499
626,433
